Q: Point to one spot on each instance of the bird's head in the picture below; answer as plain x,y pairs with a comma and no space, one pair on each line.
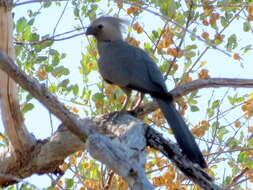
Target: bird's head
106,28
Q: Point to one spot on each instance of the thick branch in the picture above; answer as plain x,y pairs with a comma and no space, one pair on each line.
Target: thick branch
55,106
131,143
194,172
41,93
59,110
211,83
45,157
48,100
124,153
196,85
131,172
131,146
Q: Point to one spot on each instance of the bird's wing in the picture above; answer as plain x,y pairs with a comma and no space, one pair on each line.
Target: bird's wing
131,67
154,72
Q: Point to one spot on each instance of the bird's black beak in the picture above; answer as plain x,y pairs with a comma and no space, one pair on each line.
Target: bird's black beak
90,31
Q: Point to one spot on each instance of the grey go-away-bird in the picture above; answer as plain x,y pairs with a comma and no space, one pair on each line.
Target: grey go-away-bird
131,68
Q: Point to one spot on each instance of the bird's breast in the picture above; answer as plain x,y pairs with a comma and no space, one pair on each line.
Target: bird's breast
113,71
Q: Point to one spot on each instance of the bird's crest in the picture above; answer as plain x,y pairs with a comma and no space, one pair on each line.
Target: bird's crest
119,23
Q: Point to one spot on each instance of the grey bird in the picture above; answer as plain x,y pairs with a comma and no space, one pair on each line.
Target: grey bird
131,68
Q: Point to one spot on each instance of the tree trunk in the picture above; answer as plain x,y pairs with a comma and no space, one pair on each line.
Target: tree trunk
19,138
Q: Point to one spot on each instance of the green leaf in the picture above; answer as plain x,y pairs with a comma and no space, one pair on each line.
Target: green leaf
215,104
189,54
97,97
63,55
21,24
11,188
233,143
76,12
64,83
192,101
34,37
232,42
194,108
47,4
210,112
27,107
26,187
52,88
228,180
221,133
87,94
27,34
247,48
29,97
246,26
194,94
59,71
240,99
40,59
250,142
249,164
242,157
69,183
193,34
75,89
43,45
18,49
231,100
190,47
31,21
53,52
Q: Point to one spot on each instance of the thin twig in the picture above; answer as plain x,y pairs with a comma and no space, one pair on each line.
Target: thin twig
35,1
178,25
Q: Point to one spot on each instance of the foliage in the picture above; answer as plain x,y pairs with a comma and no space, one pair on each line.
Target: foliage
182,44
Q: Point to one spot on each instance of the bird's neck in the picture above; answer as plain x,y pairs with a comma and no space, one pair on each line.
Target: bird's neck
101,45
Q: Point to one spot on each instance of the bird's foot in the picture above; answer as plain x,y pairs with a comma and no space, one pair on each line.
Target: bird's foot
116,114
135,111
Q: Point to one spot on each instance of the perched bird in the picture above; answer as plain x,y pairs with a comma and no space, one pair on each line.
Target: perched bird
131,68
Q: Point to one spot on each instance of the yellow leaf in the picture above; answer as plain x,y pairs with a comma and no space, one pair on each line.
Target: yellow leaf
237,124
250,129
1,137
203,63
64,166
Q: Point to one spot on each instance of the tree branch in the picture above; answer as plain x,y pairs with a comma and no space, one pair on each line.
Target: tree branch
88,126
196,85
48,100
193,171
211,83
34,1
131,171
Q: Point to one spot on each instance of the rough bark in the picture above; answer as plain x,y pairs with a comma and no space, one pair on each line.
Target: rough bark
92,126
124,151
19,138
116,140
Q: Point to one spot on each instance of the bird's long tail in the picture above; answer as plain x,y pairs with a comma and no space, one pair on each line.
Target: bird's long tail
182,134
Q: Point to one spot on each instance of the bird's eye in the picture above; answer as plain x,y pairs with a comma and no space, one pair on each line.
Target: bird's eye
100,26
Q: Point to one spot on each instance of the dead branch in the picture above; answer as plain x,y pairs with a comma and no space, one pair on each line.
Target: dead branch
117,154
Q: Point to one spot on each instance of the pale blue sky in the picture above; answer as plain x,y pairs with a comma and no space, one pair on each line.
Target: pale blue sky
219,65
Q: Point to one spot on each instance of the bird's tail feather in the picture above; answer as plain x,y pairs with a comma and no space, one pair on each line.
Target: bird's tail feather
182,134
